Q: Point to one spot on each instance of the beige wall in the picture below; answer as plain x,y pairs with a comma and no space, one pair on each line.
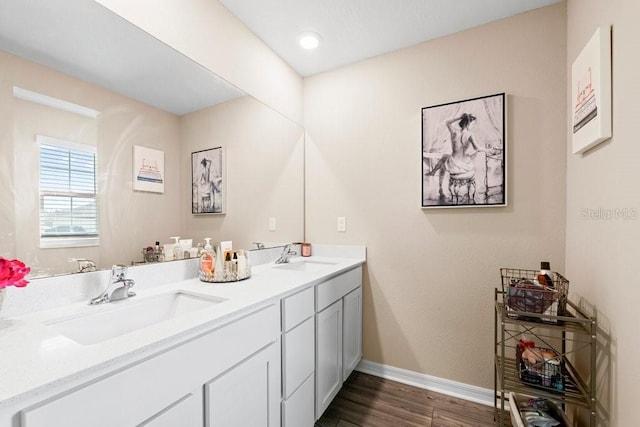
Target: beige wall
264,173
208,33
128,220
602,252
430,274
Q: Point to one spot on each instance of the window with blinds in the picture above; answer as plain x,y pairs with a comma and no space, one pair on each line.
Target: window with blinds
68,194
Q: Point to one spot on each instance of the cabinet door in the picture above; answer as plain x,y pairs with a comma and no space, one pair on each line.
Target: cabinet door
351,332
248,395
328,355
297,356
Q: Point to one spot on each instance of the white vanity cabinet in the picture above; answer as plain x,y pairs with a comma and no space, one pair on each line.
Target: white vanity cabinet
229,376
338,334
298,359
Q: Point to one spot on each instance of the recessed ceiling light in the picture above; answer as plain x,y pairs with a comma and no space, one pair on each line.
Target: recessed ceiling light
309,40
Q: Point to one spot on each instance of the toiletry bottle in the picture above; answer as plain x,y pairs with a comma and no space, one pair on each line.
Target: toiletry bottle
242,265
185,246
207,262
234,264
227,265
544,276
218,270
156,251
227,248
177,250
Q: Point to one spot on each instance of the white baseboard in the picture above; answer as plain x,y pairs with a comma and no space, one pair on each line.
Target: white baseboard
468,392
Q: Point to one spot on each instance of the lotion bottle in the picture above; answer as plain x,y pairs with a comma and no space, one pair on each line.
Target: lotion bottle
207,262
544,276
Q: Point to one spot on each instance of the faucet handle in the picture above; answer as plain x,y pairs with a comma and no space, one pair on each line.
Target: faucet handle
118,272
128,284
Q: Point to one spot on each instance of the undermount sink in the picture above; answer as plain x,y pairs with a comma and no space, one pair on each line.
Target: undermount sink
306,265
121,317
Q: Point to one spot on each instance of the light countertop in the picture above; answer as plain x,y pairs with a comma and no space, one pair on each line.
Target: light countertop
35,359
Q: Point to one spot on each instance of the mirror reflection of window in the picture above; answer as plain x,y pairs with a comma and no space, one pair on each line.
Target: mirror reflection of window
68,193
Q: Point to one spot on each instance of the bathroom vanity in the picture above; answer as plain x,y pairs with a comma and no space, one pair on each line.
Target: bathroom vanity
269,351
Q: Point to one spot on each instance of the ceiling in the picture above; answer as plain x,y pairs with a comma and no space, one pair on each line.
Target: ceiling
67,36
83,39
353,30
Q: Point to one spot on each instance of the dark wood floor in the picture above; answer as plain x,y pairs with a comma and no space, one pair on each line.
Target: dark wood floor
366,400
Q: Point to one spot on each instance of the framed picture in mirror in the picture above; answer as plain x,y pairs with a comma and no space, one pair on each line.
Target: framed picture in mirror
148,169
207,181
463,153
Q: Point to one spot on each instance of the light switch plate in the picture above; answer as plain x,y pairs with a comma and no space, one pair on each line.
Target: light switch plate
342,224
272,223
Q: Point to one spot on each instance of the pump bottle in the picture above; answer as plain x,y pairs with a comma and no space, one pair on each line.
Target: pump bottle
207,262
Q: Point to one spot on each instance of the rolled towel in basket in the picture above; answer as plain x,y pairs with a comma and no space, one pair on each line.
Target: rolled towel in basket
530,297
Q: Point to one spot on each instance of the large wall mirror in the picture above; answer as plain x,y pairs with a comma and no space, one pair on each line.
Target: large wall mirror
85,92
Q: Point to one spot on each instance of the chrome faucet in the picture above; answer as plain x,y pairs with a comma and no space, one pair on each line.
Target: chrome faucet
119,287
84,265
286,254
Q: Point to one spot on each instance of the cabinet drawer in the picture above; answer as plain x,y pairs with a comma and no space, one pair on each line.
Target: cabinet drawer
297,308
298,356
298,410
335,288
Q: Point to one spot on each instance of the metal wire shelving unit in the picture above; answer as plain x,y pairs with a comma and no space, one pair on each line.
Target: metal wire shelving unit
571,335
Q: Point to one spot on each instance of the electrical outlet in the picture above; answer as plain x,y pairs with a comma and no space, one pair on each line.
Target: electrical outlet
342,224
272,223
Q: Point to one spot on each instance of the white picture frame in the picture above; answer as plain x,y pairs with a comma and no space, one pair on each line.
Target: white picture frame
590,122
148,169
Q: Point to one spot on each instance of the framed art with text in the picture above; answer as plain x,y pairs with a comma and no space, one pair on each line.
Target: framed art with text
148,169
591,93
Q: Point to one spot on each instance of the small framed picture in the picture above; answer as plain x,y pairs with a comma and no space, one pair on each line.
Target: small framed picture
464,153
207,181
148,169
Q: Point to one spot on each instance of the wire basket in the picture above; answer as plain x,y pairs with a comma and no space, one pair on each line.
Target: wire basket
523,294
541,373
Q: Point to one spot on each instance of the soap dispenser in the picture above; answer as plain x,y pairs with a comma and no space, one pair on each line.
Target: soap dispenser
207,262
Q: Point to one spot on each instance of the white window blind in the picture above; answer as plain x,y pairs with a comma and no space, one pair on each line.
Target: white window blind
68,194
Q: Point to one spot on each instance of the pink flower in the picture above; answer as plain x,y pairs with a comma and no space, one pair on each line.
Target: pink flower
12,273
